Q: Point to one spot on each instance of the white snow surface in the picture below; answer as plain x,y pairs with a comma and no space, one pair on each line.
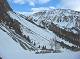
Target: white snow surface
9,49
42,35
63,18
38,35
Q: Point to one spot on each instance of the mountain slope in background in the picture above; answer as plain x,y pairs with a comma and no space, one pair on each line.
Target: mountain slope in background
63,18
64,23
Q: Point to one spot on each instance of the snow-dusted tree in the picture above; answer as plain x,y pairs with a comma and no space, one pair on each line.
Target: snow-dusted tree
52,43
34,43
39,46
57,46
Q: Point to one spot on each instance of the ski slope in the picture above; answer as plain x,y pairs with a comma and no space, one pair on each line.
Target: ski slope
38,35
9,49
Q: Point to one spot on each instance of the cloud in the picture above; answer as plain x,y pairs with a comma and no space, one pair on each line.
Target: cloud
25,13
33,10
19,1
66,4
43,1
42,8
31,2
70,4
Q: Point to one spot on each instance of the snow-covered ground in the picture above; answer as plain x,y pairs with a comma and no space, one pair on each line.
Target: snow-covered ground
38,35
63,18
9,49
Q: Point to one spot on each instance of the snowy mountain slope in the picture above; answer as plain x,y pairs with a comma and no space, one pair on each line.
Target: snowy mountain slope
22,41
25,28
9,49
64,23
33,29
38,35
12,27
64,18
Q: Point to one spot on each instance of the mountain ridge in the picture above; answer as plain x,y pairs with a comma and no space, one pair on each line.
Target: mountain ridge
64,18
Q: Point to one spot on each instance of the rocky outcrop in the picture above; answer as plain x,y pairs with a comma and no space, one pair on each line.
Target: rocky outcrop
4,6
6,19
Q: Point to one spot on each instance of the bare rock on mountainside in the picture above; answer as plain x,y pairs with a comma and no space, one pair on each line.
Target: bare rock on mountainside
4,6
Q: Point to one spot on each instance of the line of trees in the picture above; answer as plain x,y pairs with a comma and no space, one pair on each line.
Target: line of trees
68,36
42,47
68,47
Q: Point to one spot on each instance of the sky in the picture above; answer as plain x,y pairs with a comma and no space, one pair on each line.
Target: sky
37,5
